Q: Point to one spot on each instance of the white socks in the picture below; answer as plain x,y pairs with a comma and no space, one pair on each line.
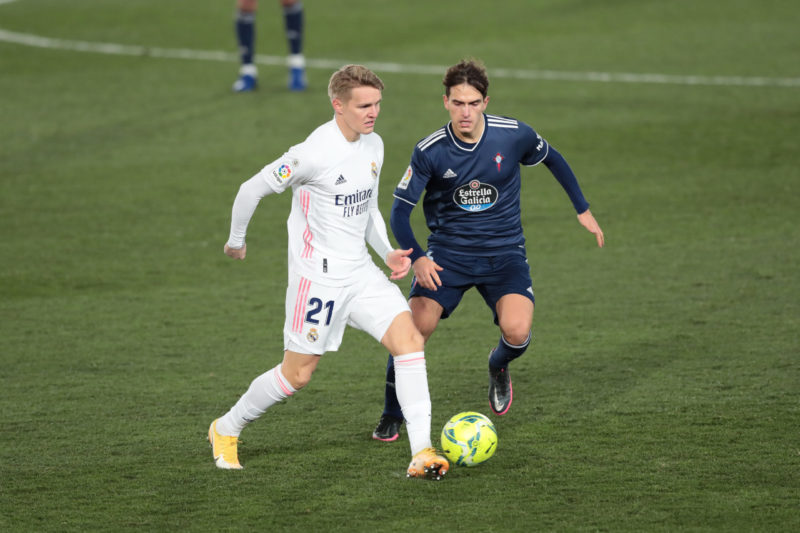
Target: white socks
411,385
265,391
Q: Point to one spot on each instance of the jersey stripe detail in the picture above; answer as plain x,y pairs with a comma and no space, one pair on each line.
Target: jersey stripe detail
501,122
300,305
496,118
431,139
305,203
403,199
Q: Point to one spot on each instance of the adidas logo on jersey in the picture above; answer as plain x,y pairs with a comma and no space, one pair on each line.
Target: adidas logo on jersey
340,180
449,174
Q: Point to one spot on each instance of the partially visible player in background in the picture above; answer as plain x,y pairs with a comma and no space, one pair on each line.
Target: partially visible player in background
333,283
469,171
246,37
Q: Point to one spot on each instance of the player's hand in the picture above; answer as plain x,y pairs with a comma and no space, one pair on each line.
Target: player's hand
399,262
427,273
587,221
236,253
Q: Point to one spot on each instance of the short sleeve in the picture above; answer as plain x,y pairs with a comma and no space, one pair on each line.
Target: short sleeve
534,148
415,179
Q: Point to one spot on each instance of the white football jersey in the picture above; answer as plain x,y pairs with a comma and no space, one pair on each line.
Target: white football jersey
334,194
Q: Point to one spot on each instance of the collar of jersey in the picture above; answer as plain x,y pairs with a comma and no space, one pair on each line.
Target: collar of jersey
341,136
461,145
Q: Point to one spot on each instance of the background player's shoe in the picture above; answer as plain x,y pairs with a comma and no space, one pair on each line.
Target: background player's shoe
428,464
388,428
224,448
500,391
245,84
248,79
297,79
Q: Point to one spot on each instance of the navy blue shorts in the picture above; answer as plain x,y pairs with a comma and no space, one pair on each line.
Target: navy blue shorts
493,276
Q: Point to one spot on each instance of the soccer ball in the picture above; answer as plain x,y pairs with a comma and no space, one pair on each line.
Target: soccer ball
469,438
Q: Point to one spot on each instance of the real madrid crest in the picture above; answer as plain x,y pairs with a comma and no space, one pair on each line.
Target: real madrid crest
313,335
374,170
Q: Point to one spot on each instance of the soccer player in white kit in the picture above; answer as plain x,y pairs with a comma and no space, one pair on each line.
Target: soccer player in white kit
333,282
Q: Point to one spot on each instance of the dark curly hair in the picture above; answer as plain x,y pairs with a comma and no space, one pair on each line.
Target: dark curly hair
469,71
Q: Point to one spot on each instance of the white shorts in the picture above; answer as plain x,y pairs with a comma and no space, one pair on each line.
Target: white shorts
316,315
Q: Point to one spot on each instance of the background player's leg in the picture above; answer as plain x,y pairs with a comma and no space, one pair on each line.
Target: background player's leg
245,26
293,23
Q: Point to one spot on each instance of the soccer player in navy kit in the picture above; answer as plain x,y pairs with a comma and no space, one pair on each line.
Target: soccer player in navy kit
245,26
469,171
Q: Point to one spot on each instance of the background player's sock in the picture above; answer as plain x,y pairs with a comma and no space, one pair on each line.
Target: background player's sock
246,35
293,21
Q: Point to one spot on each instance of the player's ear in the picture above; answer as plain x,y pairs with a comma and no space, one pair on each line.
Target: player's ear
338,106
444,100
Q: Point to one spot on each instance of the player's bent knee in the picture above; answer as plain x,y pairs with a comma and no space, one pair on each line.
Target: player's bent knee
417,341
403,336
518,335
426,329
299,378
414,339
298,368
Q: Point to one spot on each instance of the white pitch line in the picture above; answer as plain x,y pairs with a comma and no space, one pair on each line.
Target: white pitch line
400,68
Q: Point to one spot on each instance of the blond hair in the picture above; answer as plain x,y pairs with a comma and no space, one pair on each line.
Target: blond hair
348,78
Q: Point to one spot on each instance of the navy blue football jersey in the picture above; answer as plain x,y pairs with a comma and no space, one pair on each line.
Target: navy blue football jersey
472,191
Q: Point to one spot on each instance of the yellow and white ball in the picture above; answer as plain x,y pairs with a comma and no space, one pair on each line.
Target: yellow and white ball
469,438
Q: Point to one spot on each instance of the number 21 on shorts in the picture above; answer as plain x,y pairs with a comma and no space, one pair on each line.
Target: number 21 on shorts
315,307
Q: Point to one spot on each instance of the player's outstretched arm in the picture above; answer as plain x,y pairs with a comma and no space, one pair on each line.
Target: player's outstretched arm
250,194
587,221
399,262
236,253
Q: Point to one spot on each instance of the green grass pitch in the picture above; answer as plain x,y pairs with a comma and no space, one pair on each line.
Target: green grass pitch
662,392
